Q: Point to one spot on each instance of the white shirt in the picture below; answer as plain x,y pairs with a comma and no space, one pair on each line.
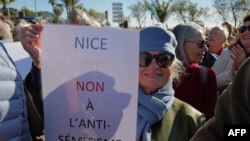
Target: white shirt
223,68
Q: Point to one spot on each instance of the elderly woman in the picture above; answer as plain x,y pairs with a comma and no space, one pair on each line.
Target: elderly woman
230,59
161,116
198,86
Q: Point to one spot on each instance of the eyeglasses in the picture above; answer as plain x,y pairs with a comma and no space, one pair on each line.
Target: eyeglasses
200,44
163,60
243,28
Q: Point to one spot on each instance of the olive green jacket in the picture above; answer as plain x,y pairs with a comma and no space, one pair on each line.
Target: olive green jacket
179,124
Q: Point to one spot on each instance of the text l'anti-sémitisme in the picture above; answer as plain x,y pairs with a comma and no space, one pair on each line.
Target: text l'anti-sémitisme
73,138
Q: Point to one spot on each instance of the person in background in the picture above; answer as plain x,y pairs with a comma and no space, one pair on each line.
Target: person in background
209,58
10,26
232,108
217,39
161,116
198,86
230,59
19,23
10,23
231,31
5,32
79,17
124,24
21,115
244,41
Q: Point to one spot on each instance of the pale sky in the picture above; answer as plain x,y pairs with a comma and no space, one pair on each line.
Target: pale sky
103,5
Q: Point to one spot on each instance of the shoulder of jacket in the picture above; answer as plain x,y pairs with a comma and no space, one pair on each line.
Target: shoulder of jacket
185,108
185,114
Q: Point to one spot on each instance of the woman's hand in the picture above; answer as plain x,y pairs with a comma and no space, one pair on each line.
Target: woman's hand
30,39
238,56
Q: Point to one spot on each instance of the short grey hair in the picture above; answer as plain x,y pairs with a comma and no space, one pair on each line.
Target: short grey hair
223,29
183,32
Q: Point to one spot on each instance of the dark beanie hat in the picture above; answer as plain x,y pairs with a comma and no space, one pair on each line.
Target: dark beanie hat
156,38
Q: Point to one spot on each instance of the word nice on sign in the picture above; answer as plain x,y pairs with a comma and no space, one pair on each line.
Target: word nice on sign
91,43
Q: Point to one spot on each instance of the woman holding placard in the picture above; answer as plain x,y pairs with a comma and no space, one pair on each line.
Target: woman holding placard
161,116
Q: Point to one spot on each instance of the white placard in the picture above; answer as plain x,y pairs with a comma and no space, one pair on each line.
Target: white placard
20,57
90,83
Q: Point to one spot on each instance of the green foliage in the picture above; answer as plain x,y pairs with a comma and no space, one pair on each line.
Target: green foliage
99,16
28,13
58,10
138,11
180,10
161,11
4,3
187,11
58,7
70,4
232,10
52,2
13,13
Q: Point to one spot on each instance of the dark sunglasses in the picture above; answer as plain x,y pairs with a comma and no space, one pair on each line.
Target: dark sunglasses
243,28
163,60
200,44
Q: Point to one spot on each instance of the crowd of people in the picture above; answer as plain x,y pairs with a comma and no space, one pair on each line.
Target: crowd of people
191,81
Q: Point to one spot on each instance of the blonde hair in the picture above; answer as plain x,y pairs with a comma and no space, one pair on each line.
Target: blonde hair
5,32
79,15
177,70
